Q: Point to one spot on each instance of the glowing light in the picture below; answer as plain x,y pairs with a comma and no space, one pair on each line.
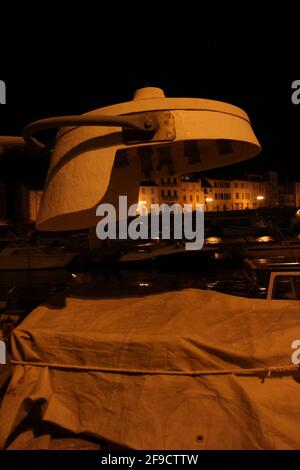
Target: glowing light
142,207
260,198
264,239
213,240
221,255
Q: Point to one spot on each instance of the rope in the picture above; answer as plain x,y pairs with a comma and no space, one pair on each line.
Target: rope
261,371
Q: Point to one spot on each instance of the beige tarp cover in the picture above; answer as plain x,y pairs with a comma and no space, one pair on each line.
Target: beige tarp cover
156,372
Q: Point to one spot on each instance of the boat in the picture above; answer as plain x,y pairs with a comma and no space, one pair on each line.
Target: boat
33,257
150,252
195,343
231,230
276,278
273,278
273,250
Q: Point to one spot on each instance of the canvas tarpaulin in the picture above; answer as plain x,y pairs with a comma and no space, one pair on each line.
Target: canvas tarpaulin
166,371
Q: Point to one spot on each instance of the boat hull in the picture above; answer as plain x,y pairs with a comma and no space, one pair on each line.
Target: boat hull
273,251
29,262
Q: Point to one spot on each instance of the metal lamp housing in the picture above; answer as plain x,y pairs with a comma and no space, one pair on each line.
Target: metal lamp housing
92,165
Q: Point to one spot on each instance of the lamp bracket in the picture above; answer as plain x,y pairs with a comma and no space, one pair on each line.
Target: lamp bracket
159,127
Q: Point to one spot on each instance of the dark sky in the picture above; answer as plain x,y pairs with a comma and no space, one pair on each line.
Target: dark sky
79,65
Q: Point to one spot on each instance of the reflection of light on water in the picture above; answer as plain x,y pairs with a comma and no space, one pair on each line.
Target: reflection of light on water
212,285
221,255
213,240
264,239
78,278
267,260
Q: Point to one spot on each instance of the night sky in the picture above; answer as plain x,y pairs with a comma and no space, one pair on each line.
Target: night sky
82,66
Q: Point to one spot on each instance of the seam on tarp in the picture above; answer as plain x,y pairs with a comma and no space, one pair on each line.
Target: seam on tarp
264,371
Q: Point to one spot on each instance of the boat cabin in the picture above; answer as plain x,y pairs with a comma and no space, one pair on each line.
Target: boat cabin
273,278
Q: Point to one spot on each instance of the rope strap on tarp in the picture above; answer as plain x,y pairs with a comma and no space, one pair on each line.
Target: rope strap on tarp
272,371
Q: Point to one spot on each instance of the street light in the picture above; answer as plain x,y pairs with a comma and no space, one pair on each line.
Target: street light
260,198
207,200
108,152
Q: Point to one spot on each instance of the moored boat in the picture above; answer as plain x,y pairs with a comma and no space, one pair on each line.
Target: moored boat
31,257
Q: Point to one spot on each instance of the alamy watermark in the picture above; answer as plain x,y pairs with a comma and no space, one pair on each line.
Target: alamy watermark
2,92
296,93
2,352
295,358
185,224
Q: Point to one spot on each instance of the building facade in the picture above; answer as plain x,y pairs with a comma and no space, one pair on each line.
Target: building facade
29,204
171,190
287,193
272,189
33,204
225,195
215,194
190,191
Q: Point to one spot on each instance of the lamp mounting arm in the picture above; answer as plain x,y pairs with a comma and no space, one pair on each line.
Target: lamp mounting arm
139,123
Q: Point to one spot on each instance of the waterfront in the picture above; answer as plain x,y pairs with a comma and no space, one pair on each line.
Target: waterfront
141,268
122,341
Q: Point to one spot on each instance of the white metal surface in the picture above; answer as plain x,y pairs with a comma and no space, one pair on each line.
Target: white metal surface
93,164
273,277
